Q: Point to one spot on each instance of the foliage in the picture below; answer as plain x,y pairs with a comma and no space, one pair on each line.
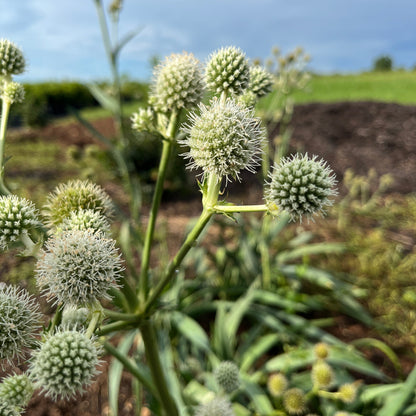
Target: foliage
383,63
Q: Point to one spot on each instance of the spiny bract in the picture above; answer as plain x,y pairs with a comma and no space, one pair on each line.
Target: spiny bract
19,321
16,390
178,83
73,196
301,186
17,216
227,376
78,267
223,139
219,406
227,71
12,61
65,364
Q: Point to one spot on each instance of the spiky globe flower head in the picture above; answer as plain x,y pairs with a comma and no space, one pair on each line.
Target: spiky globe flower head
12,61
223,139
74,196
227,71
261,81
13,92
219,406
7,409
348,392
73,317
294,401
144,120
18,216
85,219
301,186
78,267
65,364
322,374
227,376
277,384
178,83
321,350
19,321
16,390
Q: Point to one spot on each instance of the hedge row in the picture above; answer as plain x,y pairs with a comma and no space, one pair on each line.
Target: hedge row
55,99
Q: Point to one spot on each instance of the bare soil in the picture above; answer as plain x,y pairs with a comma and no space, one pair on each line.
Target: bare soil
359,136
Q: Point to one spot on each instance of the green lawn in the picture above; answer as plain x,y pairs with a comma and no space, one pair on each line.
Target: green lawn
396,86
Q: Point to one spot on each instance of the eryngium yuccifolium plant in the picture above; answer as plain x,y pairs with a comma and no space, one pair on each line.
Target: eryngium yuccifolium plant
223,139
12,61
219,406
65,364
294,401
16,390
85,219
17,217
7,409
13,92
227,376
348,392
321,350
322,374
261,81
19,321
301,186
277,384
227,71
74,196
178,83
78,267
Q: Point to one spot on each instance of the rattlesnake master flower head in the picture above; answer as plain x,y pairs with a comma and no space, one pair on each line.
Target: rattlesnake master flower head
65,364
16,390
219,406
74,196
78,267
18,216
261,81
7,409
85,219
12,61
322,374
348,392
223,139
277,384
178,83
294,401
301,186
73,317
13,92
227,376
227,71
321,350
19,321
144,120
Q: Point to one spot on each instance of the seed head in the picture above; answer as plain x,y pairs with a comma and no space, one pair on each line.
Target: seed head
78,267
17,216
219,406
65,364
7,409
227,376
13,92
224,139
261,81
73,196
12,61
277,384
85,219
16,390
294,401
178,83
19,321
227,70
301,186
322,374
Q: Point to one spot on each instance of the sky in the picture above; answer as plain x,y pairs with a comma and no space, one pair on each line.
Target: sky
61,39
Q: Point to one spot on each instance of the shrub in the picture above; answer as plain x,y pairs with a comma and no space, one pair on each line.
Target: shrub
383,63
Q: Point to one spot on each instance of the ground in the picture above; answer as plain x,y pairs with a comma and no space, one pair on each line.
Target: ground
359,136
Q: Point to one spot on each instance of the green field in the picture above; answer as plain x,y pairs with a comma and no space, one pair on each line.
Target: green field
396,86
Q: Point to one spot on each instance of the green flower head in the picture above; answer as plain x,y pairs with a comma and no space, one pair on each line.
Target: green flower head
12,61
16,390
301,186
13,92
227,71
85,219
227,376
6,409
219,406
261,81
223,139
294,401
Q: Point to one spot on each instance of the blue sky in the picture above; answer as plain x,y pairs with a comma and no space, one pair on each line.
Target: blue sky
61,38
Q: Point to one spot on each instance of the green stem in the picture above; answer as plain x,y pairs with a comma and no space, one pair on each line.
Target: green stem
113,327
119,316
265,254
157,196
3,126
96,316
240,208
155,365
57,317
